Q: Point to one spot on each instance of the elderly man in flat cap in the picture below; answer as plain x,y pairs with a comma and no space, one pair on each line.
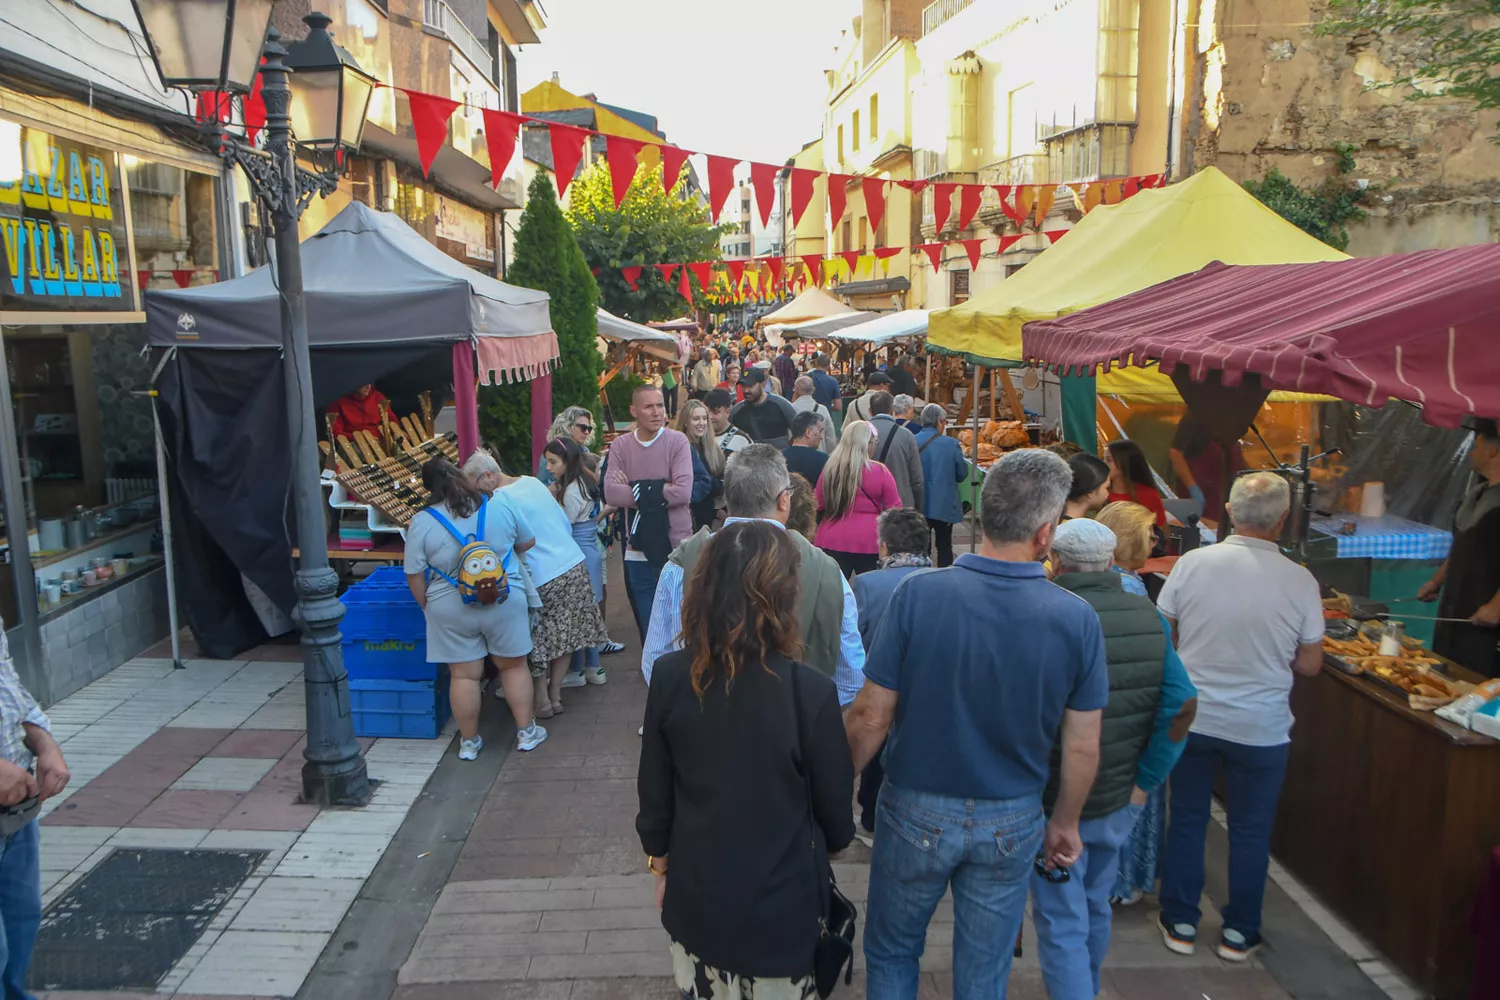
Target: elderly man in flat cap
1145,727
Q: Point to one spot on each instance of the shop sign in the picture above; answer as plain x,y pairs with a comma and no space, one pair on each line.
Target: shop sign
63,225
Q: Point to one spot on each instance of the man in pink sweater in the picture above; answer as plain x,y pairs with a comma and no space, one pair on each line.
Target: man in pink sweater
650,477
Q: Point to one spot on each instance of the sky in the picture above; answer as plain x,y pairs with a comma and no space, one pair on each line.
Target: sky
740,78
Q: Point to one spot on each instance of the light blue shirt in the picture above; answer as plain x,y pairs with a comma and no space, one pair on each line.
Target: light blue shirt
666,625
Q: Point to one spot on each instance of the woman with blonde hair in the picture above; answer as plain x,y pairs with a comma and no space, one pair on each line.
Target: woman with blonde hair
708,461
576,423
1134,527
852,492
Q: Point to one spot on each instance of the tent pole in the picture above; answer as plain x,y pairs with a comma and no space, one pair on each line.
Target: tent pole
465,398
974,448
166,535
927,381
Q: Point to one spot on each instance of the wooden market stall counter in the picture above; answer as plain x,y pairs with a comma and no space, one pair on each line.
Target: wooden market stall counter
1390,815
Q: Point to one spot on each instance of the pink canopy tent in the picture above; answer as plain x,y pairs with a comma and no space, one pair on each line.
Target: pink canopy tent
1418,327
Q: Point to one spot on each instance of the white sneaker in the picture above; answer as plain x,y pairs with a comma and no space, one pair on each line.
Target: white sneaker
469,749
641,731
530,738
572,680
612,647
1235,947
595,676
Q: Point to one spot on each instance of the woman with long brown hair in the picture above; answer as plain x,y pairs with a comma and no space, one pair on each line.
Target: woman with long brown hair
462,634
708,461
745,777
853,492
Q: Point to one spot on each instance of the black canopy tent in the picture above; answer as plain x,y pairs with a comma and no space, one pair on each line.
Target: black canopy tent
383,305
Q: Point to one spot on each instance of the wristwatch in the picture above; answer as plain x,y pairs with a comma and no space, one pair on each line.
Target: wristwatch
651,867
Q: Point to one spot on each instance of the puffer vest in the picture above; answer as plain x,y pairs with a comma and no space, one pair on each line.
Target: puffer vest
1135,646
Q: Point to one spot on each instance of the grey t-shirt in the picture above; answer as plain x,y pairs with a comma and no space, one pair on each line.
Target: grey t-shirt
429,544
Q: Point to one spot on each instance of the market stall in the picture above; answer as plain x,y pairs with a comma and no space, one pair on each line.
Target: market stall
1113,251
1373,767
383,306
624,344
812,303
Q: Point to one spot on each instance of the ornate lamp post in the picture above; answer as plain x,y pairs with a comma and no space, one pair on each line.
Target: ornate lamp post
332,95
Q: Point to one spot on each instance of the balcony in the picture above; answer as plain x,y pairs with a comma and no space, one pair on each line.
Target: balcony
1088,152
1029,168
935,15
439,18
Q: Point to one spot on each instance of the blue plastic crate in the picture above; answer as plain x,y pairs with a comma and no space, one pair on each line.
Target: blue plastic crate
384,576
380,610
388,659
405,709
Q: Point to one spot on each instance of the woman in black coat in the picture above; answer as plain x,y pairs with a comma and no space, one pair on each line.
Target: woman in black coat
746,777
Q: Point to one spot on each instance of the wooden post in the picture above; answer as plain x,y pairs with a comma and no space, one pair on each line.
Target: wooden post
927,381
974,458
1017,411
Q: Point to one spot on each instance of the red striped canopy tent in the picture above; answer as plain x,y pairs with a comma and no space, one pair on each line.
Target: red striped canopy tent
1421,327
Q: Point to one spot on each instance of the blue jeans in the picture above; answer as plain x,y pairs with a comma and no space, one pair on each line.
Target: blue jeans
924,842
20,906
1253,782
640,587
1073,917
586,534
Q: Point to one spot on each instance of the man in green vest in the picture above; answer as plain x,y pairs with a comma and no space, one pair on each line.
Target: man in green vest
758,487
1144,730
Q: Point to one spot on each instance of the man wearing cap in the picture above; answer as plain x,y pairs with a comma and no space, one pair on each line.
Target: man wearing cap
1144,729
1469,579
876,381
764,416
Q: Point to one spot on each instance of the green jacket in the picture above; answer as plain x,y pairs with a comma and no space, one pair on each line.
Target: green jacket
820,608
1135,646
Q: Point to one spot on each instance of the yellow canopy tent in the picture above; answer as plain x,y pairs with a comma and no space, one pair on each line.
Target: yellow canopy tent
813,303
1114,250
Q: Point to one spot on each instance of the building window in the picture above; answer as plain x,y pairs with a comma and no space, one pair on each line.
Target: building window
844,243
511,96
861,244
1119,49
874,117
958,286
841,143
855,130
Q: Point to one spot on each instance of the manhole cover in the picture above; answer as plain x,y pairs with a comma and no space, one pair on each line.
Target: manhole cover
127,922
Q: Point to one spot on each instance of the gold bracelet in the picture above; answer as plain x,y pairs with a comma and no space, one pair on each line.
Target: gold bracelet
652,868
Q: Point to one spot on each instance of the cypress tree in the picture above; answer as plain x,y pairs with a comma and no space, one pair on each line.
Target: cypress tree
548,258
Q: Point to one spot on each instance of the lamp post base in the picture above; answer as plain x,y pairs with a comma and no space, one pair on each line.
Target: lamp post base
334,773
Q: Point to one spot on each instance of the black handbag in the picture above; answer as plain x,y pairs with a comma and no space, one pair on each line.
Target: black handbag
836,923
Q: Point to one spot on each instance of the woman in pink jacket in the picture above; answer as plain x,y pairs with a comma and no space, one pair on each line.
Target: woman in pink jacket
852,492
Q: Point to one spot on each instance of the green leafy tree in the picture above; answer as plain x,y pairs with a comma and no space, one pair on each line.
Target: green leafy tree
1319,211
548,258
1456,43
650,228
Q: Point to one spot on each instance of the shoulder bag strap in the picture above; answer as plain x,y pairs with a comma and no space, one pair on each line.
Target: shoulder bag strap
812,833
885,447
923,446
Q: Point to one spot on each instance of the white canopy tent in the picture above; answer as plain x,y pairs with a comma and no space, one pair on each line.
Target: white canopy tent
657,343
882,329
817,329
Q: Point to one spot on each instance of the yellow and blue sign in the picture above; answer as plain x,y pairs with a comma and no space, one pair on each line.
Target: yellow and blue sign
62,226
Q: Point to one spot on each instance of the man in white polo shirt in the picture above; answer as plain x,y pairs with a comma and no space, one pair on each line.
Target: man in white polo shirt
1246,620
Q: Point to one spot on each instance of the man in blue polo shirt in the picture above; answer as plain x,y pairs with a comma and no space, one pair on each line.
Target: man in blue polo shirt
825,387
973,710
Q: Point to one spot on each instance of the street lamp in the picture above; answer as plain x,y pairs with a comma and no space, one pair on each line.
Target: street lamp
331,111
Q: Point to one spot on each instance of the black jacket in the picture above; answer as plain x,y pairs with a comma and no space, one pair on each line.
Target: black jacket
722,795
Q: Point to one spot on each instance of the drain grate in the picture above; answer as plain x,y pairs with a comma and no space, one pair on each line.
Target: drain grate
127,922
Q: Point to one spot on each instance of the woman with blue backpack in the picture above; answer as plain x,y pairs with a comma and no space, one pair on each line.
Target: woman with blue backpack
462,563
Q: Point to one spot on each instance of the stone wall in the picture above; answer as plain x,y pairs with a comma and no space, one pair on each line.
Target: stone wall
1265,90
92,639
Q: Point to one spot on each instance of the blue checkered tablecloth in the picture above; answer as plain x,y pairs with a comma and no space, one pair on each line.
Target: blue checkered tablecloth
1385,537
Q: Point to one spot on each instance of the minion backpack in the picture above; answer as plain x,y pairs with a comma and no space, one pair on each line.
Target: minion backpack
482,575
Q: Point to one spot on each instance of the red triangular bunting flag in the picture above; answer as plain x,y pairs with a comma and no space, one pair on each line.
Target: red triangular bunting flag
214,105
763,179
632,276
500,129
968,203
1002,191
1053,235
685,287
1012,208
942,201
622,155
594,270
672,159
934,252
183,278
701,271
972,247
837,189
254,110
802,191
567,149
143,278
915,187
874,199
775,264
886,253
666,272
1132,185
736,269
720,182
1006,242
429,120
851,258
814,265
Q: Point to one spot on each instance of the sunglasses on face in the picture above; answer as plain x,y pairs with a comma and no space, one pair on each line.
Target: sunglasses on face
586,428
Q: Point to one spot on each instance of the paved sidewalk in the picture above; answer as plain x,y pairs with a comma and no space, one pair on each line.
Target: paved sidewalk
547,898
208,759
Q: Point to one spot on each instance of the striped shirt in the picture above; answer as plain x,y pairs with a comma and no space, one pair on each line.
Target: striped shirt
17,706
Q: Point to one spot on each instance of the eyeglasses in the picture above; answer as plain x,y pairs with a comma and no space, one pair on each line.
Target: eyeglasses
586,428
